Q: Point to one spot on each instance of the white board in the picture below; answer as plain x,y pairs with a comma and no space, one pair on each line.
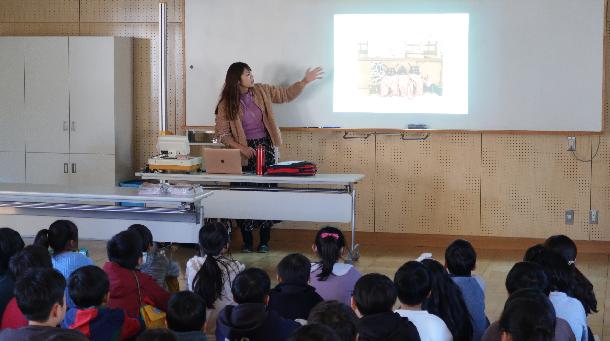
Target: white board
532,64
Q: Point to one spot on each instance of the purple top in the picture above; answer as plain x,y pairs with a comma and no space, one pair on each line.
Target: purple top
339,285
252,120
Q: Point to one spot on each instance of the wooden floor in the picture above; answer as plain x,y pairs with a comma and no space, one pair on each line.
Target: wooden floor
384,253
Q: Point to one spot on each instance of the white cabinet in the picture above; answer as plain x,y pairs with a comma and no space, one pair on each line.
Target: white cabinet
87,169
46,94
47,168
12,167
66,105
11,95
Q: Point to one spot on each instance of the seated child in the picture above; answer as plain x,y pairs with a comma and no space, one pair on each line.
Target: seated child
31,256
528,315
10,244
293,298
129,288
62,238
314,332
211,274
40,296
373,300
250,319
338,316
332,280
186,316
460,260
528,275
446,302
156,264
413,284
89,287
568,308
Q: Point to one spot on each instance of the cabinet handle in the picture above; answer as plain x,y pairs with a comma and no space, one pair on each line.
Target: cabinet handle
66,168
74,168
65,126
73,126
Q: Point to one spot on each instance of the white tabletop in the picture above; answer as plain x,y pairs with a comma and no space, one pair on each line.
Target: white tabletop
57,193
318,179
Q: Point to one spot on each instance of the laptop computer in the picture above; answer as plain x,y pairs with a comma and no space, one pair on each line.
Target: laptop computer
222,161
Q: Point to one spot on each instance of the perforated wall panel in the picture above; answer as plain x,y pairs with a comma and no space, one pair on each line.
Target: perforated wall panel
429,186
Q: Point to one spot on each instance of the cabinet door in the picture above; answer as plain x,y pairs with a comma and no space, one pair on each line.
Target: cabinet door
46,94
92,170
11,94
92,95
47,168
13,167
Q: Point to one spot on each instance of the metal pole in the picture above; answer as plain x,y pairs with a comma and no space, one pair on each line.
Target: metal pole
162,66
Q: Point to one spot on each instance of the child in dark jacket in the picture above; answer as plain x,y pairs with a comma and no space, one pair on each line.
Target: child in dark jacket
250,318
89,287
373,300
293,298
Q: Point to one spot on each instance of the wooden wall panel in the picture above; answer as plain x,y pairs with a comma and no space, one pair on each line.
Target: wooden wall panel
429,186
333,154
528,182
38,29
129,11
37,11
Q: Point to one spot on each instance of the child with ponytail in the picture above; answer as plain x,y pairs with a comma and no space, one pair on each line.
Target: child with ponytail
211,274
332,280
62,238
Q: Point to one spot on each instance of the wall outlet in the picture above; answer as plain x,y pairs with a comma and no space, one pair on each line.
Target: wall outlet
593,217
569,217
571,143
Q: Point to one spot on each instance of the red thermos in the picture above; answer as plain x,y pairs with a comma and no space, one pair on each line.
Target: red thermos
260,159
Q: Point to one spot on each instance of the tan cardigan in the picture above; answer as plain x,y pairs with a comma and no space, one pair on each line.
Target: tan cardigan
264,95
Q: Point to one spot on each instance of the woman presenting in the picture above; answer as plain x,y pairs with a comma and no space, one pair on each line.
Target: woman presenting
245,119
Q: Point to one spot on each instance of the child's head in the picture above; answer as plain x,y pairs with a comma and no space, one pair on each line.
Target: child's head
251,286
413,283
213,239
526,275
32,256
185,312
145,235
209,280
373,294
557,271
62,235
10,244
564,246
337,316
460,258
125,249
88,286
314,332
528,315
40,295
328,246
533,252
294,269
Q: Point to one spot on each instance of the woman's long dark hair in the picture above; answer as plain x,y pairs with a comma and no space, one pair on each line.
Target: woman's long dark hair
229,97
446,301
329,242
57,236
582,288
209,281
